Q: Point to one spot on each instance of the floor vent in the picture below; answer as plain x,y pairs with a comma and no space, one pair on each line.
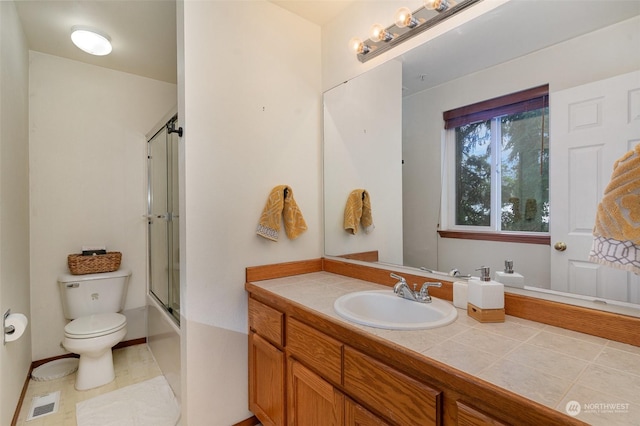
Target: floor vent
44,405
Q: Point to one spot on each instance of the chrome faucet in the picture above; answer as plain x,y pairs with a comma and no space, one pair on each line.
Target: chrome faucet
402,290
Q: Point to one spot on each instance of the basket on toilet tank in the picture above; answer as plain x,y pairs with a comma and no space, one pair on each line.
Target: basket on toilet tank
80,264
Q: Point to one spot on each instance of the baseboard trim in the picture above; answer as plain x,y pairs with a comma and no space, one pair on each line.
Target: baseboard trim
14,420
132,342
38,363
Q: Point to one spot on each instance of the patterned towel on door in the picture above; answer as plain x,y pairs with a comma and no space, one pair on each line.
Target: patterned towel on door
616,235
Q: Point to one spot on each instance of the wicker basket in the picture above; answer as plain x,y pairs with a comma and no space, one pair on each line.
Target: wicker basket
80,265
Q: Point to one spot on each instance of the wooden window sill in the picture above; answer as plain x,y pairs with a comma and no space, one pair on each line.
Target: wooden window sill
494,236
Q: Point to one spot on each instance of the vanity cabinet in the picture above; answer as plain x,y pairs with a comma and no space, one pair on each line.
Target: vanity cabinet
316,400
266,364
305,369
319,371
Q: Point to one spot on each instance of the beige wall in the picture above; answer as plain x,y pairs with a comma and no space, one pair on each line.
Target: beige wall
251,104
15,357
88,178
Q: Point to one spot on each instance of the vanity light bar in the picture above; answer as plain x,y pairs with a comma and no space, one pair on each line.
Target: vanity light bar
405,27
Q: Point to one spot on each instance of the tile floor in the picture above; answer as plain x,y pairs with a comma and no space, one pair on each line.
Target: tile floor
133,364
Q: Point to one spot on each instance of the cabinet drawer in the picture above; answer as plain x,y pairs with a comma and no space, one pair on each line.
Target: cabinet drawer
317,351
469,416
266,321
401,399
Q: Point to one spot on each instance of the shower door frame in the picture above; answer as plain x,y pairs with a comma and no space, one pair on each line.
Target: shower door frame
168,215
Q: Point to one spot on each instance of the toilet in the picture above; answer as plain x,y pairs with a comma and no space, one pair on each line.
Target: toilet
92,302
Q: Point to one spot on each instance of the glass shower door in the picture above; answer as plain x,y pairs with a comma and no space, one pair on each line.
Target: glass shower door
164,273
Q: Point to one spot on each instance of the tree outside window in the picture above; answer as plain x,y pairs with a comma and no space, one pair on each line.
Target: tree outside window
501,163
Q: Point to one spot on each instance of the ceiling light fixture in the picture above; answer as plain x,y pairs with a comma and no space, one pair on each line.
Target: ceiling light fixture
91,41
406,25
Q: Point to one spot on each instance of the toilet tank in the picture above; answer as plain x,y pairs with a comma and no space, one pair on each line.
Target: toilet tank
90,294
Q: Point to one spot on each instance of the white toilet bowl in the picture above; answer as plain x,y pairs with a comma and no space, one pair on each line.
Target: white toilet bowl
92,337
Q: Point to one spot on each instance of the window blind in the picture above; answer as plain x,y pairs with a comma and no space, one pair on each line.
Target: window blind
525,100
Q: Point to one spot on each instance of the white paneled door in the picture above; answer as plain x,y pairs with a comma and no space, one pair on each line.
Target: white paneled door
591,126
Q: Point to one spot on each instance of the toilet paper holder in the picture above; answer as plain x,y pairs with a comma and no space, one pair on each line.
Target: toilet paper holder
7,329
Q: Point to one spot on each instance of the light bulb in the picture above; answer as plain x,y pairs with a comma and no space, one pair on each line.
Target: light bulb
404,18
437,5
91,41
358,46
378,33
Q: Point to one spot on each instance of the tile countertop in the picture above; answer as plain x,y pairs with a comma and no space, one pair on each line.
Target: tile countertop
547,364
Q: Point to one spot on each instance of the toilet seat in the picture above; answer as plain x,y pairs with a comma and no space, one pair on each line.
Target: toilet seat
95,326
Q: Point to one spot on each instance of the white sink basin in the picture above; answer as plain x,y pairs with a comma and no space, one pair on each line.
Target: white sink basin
384,309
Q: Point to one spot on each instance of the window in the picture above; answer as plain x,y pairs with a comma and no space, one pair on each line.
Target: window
498,164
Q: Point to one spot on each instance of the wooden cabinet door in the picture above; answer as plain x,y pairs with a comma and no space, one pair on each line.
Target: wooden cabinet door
266,381
311,400
357,415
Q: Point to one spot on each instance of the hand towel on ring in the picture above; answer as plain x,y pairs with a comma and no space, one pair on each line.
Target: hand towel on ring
281,204
358,211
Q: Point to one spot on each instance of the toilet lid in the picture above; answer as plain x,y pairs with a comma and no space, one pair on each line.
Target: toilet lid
95,325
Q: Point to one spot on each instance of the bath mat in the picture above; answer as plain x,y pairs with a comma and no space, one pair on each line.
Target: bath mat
149,403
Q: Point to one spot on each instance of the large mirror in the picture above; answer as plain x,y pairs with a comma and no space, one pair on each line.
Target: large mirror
384,134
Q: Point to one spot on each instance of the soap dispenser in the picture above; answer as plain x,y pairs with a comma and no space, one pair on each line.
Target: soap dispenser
486,298
509,277
460,290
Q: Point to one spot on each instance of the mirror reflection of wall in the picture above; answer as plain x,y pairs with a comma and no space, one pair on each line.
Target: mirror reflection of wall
598,55
362,140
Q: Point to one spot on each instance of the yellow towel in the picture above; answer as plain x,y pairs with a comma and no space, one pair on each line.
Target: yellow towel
278,205
358,210
616,241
